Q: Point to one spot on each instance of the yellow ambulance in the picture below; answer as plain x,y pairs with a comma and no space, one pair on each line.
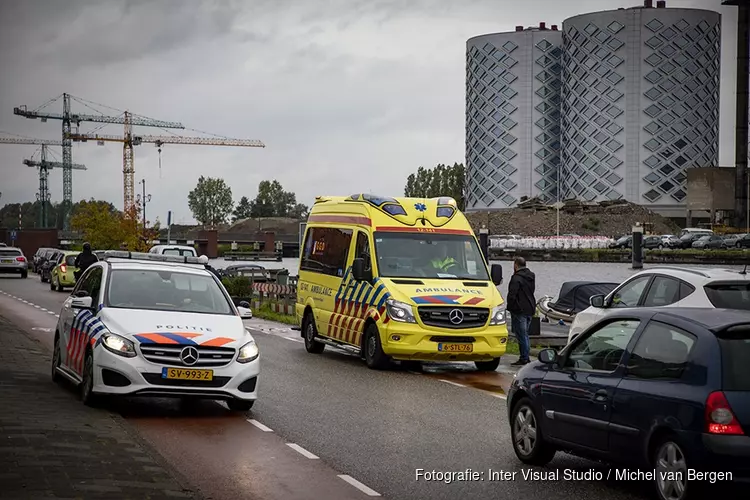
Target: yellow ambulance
398,278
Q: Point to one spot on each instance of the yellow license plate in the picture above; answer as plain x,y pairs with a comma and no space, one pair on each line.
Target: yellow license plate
455,347
187,374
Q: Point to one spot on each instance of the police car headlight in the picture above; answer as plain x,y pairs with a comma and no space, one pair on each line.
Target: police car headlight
398,311
248,352
118,345
498,315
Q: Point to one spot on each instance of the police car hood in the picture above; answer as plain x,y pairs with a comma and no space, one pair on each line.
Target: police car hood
443,292
178,328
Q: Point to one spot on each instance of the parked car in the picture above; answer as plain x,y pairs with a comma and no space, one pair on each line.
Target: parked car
652,242
46,266
687,239
743,242
665,390
669,287
623,242
63,274
173,250
670,241
712,242
730,240
12,261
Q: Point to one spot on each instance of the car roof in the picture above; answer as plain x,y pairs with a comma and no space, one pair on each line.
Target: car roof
135,265
697,275
714,320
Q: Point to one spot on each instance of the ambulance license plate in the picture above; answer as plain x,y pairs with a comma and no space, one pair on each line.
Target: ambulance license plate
187,374
455,347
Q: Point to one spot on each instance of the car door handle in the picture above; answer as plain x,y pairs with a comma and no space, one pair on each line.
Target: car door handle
601,396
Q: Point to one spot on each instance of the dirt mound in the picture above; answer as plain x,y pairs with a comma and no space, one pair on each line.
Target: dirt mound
604,219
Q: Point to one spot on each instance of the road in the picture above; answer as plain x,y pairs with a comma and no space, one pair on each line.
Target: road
325,426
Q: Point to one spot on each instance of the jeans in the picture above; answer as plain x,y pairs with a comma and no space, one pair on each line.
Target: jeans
520,325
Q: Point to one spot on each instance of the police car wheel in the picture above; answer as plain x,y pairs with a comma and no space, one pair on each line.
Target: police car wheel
87,383
487,366
56,360
311,332
374,355
239,405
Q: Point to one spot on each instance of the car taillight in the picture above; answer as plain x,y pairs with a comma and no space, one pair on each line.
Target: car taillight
21,259
719,416
63,268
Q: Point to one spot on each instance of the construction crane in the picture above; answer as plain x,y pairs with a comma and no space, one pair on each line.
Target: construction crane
43,195
44,166
129,140
68,118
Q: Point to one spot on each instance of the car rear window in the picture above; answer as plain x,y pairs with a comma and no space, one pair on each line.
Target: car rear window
70,260
7,252
729,295
735,355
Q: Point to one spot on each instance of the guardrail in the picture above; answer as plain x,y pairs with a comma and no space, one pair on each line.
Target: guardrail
280,298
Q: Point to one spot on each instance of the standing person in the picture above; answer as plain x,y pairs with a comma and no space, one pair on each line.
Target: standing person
521,306
84,260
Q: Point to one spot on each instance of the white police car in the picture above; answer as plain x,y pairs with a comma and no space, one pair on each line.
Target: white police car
140,324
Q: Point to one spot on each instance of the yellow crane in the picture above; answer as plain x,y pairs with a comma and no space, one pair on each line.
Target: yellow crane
129,140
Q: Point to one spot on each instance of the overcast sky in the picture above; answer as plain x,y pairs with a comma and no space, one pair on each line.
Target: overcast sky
348,95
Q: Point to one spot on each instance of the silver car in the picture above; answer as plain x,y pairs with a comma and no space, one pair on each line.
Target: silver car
13,261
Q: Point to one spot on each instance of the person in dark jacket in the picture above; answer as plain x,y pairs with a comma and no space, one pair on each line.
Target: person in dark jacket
84,260
521,306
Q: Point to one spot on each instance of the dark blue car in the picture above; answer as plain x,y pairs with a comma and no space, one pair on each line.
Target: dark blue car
664,391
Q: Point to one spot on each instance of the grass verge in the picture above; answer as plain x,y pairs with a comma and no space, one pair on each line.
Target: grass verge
265,312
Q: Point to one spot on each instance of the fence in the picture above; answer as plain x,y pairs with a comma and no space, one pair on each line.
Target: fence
551,243
280,298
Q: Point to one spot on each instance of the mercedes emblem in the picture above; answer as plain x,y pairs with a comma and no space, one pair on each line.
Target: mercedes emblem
189,355
456,316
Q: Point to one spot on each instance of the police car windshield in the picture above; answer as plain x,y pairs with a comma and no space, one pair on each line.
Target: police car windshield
429,255
166,291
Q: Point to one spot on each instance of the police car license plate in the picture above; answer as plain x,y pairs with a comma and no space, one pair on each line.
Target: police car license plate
455,347
6,261
187,374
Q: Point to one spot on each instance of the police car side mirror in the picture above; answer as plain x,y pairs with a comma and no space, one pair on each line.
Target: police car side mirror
496,273
358,270
81,303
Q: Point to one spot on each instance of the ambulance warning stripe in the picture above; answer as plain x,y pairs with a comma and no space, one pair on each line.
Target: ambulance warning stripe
354,302
416,229
85,330
340,219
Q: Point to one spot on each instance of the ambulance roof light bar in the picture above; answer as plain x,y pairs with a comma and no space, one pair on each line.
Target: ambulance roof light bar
177,259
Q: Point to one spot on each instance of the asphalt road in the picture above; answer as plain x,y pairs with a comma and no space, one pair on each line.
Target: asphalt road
341,419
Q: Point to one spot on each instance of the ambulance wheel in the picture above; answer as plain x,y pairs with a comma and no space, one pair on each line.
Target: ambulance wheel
487,366
374,355
240,405
311,332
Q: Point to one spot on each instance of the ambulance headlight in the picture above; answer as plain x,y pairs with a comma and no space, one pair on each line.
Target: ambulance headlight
248,352
498,315
398,311
118,345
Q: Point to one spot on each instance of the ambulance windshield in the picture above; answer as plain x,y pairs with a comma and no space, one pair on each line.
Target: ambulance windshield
429,255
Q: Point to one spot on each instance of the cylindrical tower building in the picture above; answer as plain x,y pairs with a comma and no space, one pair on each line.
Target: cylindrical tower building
640,103
513,86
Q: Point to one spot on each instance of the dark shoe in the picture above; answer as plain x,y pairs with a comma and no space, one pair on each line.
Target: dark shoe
520,362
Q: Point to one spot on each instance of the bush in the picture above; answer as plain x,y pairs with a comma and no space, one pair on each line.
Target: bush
238,286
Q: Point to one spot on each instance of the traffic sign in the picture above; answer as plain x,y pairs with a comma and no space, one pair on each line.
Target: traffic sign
13,235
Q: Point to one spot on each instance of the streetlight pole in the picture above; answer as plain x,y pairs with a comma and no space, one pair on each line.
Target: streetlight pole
143,199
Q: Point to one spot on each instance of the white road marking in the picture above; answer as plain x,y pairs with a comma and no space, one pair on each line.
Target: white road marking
361,487
302,451
500,396
38,307
452,383
39,328
259,425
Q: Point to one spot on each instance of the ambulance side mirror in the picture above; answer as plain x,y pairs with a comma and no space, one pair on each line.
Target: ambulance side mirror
496,273
359,272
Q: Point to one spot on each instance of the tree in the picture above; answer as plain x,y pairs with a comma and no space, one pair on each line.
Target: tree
109,229
211,201
273,201
443,180
243,210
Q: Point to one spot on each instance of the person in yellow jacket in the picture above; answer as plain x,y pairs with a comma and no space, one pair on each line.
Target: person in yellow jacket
443,264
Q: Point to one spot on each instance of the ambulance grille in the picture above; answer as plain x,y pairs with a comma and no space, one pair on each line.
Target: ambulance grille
439,316
169,355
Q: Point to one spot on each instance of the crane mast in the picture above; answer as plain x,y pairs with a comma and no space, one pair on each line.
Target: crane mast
68,118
